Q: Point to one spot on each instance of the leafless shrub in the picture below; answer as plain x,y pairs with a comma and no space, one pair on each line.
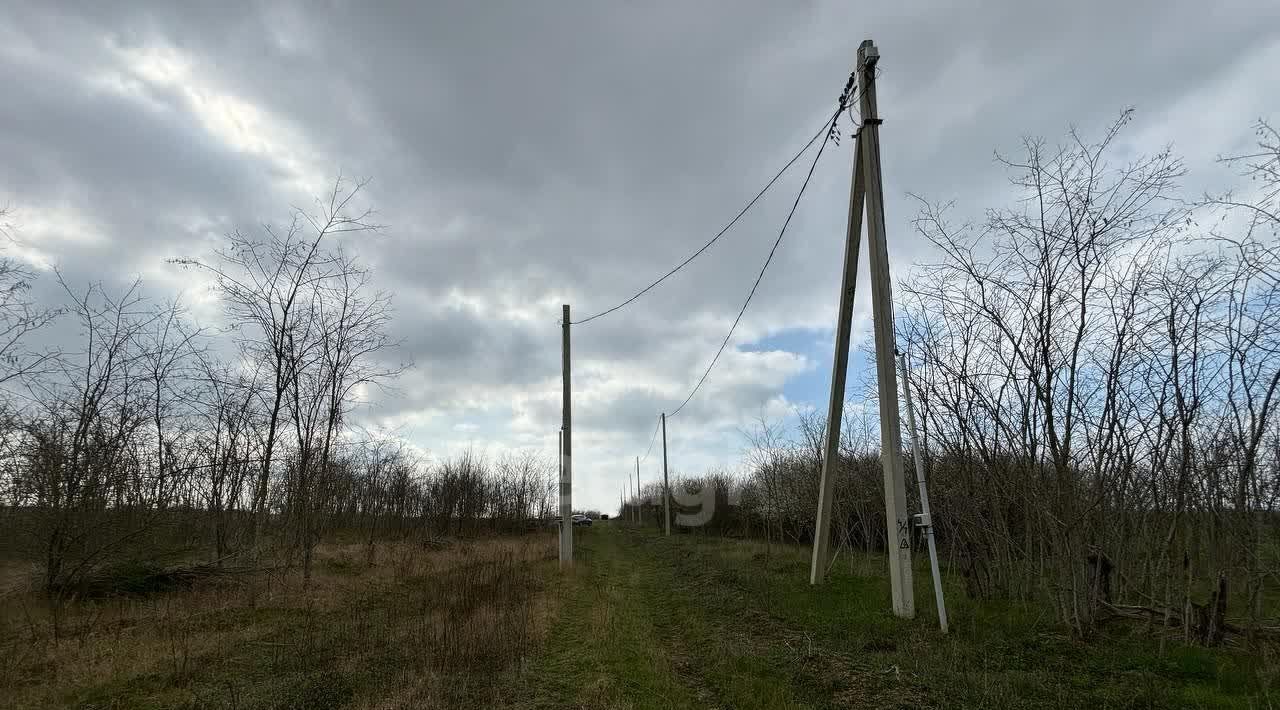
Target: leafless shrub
1096,375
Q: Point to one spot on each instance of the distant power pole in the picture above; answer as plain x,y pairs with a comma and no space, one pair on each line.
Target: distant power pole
666,484
867,187
639,498
566,457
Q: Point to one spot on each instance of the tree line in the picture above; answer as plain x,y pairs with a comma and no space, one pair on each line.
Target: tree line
148,438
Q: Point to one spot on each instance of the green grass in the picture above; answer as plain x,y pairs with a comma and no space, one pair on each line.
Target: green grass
687,621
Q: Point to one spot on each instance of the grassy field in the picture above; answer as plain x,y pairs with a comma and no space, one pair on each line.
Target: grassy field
653,622
419,628
642,621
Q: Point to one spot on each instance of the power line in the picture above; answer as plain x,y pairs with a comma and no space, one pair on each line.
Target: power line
767,260
651,440
830,129
824,129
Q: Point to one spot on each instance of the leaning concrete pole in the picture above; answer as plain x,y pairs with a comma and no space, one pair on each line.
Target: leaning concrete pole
925,518
839,368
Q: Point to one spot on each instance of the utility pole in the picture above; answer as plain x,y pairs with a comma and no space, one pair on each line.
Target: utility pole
566,453
897,524
639,498
839,368
867,187
666,485
924,520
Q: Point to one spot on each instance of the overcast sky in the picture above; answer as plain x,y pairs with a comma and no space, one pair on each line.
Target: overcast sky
529,154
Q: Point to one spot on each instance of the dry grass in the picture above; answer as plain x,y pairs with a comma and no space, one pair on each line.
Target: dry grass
418,628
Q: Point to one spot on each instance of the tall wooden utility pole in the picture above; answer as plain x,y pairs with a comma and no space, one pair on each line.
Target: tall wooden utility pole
637,515
666,484
867,186
566,453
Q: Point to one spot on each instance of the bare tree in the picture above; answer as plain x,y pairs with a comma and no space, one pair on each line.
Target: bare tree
19,318
95,476
268,287
1096,377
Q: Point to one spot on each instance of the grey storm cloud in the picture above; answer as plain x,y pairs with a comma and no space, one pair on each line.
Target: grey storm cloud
524,155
